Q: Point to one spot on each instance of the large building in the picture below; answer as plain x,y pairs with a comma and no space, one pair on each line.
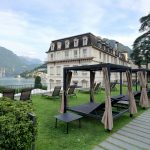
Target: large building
84,49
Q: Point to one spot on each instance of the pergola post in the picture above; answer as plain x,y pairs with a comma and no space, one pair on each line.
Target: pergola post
64,89
120,83
91,96
109,74
147,75
136,80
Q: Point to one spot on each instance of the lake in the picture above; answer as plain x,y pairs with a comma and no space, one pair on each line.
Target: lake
14,82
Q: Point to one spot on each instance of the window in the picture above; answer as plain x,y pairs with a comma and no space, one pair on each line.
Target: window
104,47
66,54
52,46
107,58
75,53
100,55
58,70
115,60
52,56
84,83
75,72
67,44
84,73
58,55
99,44
58,45
85,40
58,82
76,41
51,83
84,52
51,70
112,59
114,52
104,58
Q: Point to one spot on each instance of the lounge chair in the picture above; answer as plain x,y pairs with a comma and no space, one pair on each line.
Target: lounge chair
134,82
71,91
55,93
96,110
113,85
9,93
25,94
123,100
96,88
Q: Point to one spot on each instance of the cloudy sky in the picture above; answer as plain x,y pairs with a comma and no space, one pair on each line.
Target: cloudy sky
28,27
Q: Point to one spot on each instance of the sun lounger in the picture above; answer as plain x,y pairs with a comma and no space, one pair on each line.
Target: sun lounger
54,94
9,93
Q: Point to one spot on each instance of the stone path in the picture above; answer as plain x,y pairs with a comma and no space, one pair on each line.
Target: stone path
133,136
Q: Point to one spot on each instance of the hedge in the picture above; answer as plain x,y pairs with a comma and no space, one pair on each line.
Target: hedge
16,127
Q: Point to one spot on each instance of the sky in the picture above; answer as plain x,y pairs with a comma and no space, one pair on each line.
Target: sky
28,27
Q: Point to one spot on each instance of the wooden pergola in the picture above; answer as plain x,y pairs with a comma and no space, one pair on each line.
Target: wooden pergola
92,106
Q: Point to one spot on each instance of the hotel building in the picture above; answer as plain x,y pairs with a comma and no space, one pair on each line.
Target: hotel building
84,49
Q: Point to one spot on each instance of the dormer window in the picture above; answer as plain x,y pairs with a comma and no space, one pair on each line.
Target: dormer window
52,46
67,44
104,47
76,41
85,40
58,45
99,44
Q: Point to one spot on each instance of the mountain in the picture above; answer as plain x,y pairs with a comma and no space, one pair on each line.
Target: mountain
13,64
28,60
121,47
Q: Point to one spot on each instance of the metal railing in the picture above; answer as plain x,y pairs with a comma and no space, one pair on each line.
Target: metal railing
19,86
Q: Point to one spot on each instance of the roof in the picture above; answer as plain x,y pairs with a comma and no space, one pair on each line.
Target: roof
92,41
140,69
98,67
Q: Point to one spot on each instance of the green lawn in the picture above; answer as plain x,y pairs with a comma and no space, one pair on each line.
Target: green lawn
84,138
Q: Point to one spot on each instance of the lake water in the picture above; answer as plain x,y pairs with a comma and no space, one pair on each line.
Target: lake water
16,82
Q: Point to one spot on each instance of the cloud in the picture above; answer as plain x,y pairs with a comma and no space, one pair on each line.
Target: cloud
28,27
23,37
139,6
123,38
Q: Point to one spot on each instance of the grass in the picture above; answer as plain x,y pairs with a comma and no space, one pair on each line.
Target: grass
85,138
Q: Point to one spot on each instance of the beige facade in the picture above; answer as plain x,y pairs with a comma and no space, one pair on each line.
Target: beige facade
80,54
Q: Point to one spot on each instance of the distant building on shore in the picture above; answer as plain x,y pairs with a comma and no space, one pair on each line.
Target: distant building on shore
84,49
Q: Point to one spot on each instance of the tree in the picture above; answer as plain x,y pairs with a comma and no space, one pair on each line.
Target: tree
141,46
37,83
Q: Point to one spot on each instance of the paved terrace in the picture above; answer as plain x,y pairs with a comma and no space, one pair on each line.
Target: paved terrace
133,136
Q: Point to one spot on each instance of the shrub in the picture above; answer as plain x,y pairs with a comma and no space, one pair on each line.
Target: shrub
44,87
38,83
2,88
16,127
